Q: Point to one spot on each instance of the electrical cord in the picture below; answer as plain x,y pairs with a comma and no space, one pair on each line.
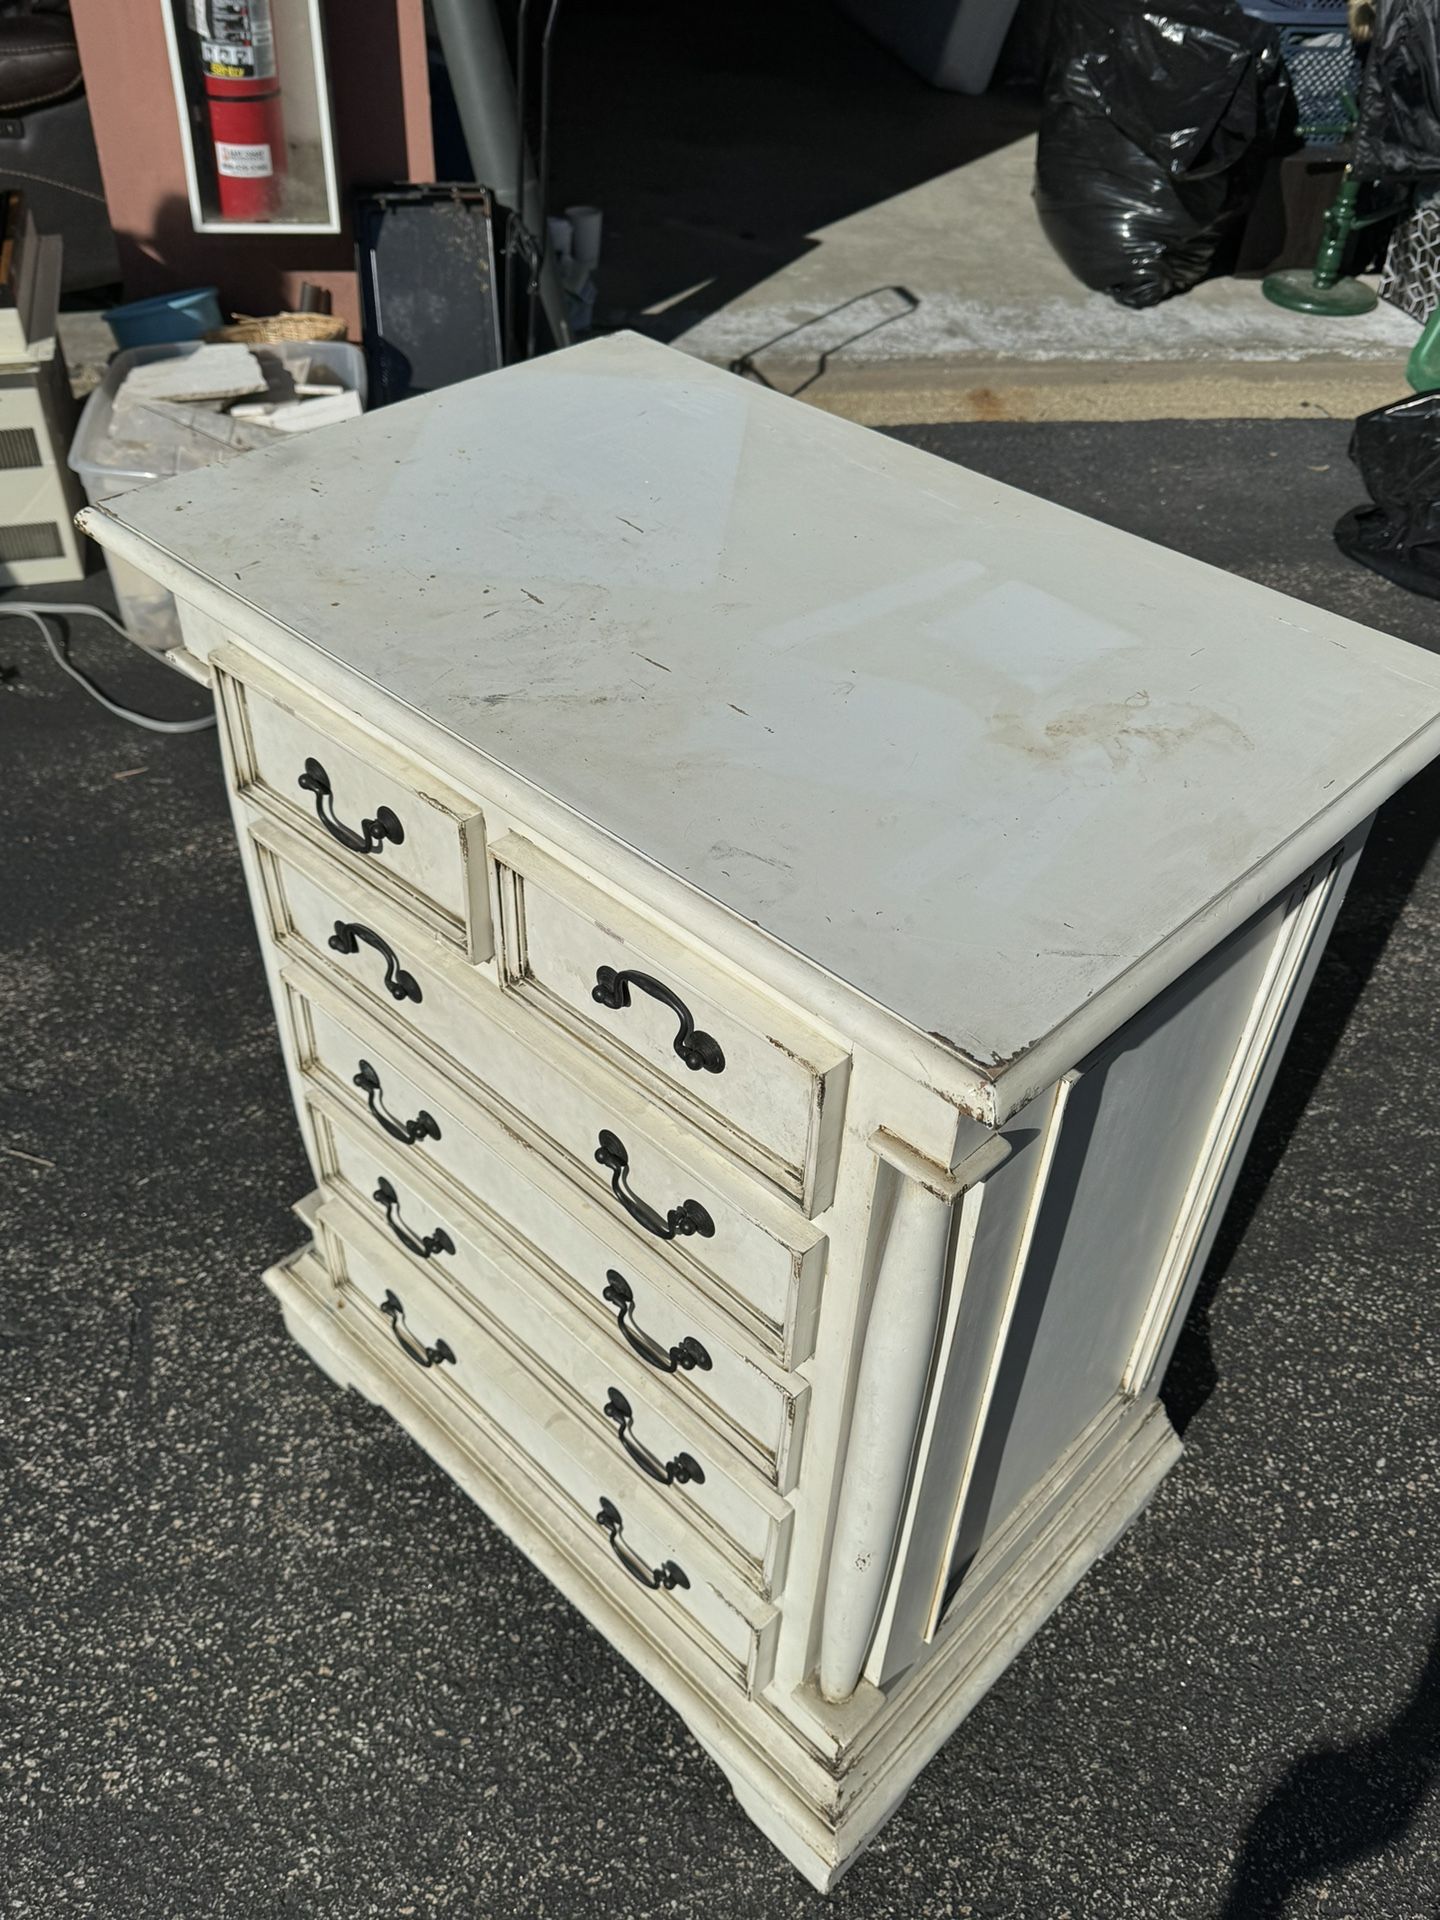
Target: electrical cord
35,610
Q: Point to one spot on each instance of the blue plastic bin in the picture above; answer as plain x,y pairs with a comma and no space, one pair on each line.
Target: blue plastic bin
1299,13
167,317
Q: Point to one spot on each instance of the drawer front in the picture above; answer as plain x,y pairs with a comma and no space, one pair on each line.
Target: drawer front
651,1437
762,1081
664,1191
448,1351
420,844
756,1411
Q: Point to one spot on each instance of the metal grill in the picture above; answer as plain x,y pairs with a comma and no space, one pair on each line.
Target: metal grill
18,448
38,541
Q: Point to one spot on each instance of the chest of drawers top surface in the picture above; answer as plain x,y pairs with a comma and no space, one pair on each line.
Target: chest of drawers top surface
974,756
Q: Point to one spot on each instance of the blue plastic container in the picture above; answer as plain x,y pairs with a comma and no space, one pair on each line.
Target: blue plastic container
1299,13
169,316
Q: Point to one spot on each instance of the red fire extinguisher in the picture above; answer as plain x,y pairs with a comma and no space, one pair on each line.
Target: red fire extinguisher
242,94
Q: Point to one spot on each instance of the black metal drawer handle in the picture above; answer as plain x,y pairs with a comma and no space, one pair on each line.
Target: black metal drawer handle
399,984
414,1347
422,1127
698,1050
668,1575
677,1472
437,1242
689,1217
688,1354
373,833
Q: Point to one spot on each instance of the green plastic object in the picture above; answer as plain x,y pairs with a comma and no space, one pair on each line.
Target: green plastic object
1300,290
1422,369
1322,289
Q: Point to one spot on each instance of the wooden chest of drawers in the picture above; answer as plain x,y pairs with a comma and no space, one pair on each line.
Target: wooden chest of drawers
779,945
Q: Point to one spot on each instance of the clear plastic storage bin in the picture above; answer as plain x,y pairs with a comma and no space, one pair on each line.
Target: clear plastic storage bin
147,610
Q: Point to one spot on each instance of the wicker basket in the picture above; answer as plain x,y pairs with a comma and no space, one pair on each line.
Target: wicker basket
250,332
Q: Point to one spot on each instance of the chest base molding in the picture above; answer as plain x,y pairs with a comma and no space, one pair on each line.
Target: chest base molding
817,1780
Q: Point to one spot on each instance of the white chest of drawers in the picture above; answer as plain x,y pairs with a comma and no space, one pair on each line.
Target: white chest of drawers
779,944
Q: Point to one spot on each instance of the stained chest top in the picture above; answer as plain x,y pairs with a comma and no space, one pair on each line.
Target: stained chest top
976,756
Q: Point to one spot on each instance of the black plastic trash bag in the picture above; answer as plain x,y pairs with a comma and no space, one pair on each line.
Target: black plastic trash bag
1157,122
1397,449
1397,128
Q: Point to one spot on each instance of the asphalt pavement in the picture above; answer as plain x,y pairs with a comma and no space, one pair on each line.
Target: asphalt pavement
260,1658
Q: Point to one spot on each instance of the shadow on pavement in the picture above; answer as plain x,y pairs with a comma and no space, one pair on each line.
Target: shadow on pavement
1338,1804
828,334
720,142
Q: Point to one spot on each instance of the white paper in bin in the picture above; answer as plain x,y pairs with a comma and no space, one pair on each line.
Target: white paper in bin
148,611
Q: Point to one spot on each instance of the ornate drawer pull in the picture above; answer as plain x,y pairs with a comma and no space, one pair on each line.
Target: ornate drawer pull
688,1354
437,1242
674,1472
698,1050
415,1348
373,833
688,1217
399,984
668,1575
422,1127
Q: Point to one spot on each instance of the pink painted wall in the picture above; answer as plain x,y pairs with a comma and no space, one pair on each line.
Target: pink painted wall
380,86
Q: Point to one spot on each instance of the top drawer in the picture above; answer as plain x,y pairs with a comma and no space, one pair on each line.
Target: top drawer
763,1083
413,837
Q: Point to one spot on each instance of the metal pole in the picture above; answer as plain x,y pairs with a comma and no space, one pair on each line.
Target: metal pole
479,66
544,168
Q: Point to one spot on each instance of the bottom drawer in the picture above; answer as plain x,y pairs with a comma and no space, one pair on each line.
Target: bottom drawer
430,1336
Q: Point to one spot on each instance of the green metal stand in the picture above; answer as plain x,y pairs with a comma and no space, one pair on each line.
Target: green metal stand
1422,369
1322,289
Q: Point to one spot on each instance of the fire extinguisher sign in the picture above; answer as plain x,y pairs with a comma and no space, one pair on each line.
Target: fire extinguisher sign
243,163
237,38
